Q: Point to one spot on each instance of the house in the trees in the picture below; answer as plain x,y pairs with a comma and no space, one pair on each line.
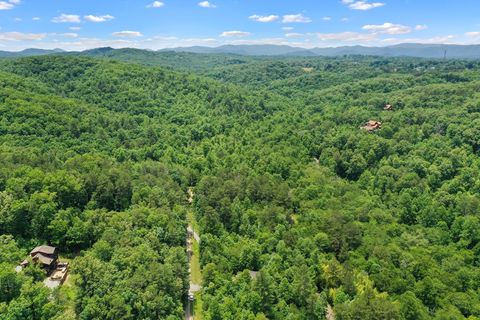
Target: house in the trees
24,264
388,107
58,276
46,256
372,126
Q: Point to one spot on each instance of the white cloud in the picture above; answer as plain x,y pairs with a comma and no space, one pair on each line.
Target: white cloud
274,41
67,18
198,41
327,18
347,37
305,43
296,18
388,28
97,19
74,28
156,4
473,34
36,18
362,5
206,4
287,28
448,39
265,19
64,35
69,35
20,36
235,34
293,35
441,39
8,5
127,34
163,41
163,38
420,27
344,20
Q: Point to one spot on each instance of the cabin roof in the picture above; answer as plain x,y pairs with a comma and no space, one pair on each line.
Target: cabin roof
372,125
43,259
48,250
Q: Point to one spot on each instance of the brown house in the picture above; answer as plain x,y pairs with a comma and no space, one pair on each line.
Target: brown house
372,126
47,256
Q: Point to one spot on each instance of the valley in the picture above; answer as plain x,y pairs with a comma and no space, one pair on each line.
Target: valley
99,153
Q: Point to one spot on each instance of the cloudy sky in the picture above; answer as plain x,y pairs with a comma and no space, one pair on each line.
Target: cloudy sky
83,24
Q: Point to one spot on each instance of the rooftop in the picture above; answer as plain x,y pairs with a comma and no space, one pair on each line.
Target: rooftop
49,250
43,259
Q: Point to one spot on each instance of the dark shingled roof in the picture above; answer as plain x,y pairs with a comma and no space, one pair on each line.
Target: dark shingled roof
48,250
43,259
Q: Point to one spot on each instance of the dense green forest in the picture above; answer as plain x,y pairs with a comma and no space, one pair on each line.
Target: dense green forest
300,211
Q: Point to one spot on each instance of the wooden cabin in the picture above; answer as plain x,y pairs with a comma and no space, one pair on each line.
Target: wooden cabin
372,126
46,256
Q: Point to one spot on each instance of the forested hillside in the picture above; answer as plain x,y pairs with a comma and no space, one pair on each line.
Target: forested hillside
287,75
300,210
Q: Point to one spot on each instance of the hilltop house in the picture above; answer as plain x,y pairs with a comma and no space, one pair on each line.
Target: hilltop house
372,126
46,256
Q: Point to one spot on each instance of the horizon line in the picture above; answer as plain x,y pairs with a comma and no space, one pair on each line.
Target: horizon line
241,45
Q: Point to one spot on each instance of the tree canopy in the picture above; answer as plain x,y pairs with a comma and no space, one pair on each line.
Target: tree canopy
298,208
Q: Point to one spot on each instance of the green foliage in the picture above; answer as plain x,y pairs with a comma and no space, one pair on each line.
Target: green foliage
298,208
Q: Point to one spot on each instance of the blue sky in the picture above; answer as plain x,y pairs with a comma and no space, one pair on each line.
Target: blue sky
83,24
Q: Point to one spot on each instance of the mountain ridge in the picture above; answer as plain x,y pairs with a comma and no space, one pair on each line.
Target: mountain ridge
399,50
29,52
435,51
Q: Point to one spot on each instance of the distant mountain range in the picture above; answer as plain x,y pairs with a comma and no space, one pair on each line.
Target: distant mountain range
401,50
247,50
28,52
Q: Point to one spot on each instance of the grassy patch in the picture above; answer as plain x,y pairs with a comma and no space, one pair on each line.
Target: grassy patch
191,219
196,275
198,307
